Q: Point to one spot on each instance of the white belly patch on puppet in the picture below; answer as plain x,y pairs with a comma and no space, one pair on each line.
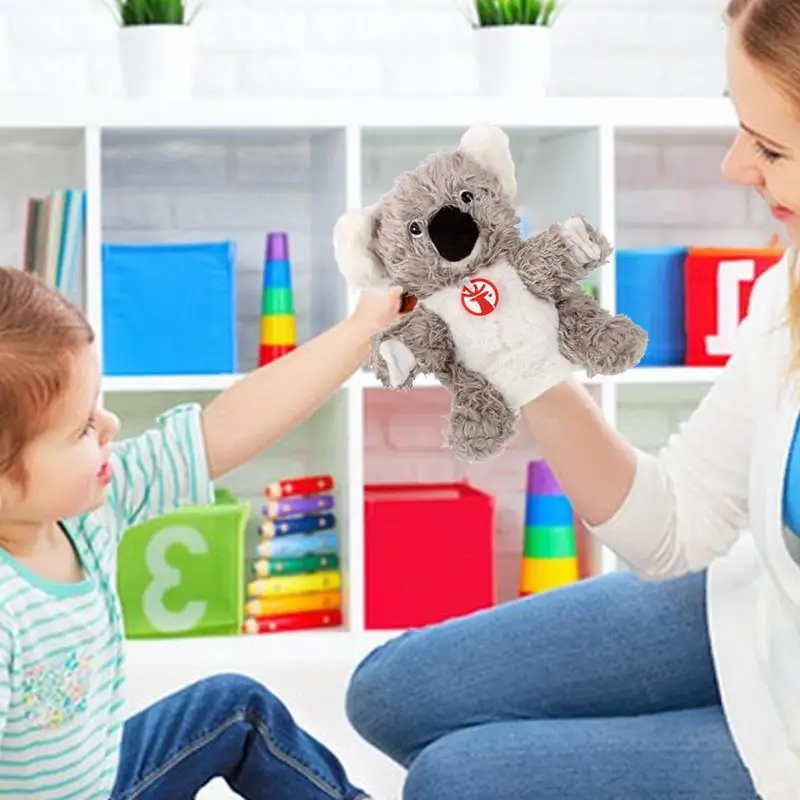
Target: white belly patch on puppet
495,321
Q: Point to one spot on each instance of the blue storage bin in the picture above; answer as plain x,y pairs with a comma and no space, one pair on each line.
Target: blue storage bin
169,309
650,290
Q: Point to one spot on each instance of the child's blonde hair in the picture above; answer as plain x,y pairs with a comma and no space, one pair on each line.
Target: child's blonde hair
39,331
769,31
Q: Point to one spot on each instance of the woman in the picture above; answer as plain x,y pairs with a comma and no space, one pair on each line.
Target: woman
683,682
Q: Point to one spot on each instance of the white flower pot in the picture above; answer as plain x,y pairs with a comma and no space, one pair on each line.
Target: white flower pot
157,60
513,60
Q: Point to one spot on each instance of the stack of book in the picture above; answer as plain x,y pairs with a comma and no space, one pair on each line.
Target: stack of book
295,580
54,239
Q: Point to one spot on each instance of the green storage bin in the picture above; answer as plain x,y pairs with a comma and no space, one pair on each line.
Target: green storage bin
182,574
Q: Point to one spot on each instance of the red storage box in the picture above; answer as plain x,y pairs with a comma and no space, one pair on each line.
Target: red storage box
718,282
429,553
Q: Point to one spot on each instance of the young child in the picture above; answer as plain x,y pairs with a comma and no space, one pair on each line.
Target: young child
67,494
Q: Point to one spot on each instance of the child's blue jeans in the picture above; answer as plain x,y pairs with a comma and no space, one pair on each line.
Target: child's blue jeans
604,690
231,727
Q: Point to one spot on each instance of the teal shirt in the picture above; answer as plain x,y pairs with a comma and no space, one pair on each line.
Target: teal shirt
61,644
791,485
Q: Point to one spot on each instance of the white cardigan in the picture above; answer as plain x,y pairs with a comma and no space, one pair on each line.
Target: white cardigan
713,497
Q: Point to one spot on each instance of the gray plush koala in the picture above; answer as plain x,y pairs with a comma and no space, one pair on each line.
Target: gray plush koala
498,318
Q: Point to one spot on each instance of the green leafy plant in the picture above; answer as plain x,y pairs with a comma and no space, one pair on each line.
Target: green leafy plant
152,12
486,13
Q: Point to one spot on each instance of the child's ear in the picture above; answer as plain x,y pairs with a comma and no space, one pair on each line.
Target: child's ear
353,235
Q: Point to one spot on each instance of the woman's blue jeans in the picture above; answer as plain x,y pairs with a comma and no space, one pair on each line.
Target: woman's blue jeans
603,690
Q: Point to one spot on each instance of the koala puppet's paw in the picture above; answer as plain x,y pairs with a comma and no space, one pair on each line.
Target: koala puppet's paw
620,346
398,363
589,246
481,422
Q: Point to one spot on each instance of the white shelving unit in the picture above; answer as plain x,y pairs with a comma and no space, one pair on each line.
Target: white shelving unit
566,161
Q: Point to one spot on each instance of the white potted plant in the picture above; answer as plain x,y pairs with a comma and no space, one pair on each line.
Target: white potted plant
157,47
513,42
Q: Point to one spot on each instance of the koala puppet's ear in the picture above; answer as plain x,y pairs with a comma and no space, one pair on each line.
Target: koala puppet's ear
352,235
489,146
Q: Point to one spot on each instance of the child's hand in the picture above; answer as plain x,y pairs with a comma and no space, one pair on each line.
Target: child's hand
377,309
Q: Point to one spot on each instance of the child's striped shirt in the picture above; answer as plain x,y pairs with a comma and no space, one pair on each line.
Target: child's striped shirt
61,645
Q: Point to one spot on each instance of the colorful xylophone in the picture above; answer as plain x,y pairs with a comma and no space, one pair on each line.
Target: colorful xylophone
295,579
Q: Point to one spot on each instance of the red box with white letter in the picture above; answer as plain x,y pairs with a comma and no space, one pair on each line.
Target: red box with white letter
718,283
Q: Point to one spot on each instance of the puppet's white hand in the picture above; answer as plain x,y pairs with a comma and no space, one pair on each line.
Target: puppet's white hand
576,233
399,361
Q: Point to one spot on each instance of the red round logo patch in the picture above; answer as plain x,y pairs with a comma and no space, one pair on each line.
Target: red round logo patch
479,296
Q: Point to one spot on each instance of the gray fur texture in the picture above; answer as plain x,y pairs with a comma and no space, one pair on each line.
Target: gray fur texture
397,236
480,419
412,262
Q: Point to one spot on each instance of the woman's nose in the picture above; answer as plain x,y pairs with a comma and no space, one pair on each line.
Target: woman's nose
739,165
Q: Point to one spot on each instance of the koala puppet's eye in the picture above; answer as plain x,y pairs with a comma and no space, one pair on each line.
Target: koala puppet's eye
466,196
415,229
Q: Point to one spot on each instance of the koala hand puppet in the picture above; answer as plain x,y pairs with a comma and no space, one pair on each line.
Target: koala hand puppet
497,319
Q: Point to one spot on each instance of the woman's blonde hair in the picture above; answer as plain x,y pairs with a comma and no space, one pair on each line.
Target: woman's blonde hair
39,331
769,32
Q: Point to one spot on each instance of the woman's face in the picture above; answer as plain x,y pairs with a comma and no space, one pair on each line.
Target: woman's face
766,151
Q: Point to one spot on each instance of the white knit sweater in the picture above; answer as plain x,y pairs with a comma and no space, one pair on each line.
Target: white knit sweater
712,497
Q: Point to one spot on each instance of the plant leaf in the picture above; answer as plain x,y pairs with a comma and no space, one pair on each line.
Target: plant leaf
485,9
531,12
548,11
114,8
501,12
469,10
516,12
152,12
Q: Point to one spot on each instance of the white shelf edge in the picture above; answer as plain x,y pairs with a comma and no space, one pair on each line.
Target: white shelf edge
154,384
366,380
23,112
609,396
355,609
93,225
638,376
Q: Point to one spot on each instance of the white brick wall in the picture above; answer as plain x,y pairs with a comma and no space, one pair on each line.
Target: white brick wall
368,46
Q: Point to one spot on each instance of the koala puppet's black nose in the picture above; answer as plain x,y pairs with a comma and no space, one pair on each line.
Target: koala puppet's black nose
453,233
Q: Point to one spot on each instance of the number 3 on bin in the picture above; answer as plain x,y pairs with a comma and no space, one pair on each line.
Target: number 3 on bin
164,577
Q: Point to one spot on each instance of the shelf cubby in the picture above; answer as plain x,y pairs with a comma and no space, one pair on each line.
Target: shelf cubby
179,185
